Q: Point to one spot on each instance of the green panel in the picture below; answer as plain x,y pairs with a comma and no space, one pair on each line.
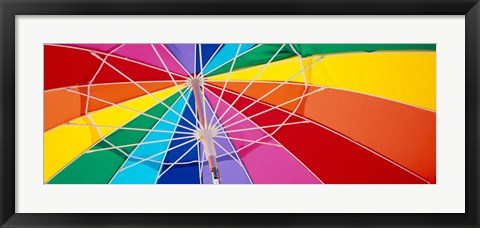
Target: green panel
315,49
263,53
256,56
99,167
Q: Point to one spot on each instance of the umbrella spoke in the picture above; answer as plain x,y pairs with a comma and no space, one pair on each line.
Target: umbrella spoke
250,83
223,148
260,102
140,87
268,126
221,129
176,60
274,89
277,106
303,93
183,155
211,57
95,76
247,140
225,63
128,128
133,110
173,80
142,143
268,135
159,153
118,57
225,84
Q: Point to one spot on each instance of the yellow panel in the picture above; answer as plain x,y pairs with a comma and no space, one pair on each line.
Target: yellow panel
66,142
277,71
407,77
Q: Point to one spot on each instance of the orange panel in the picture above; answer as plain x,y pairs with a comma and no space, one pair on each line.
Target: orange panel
61,106
403,133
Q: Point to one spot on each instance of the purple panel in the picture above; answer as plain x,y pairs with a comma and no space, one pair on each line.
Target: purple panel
143,53
231,172
184,54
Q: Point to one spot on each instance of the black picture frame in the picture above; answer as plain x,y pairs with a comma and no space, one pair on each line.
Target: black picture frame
10,8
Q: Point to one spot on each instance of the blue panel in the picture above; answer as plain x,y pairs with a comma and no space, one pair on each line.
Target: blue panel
225,54
146,172
182,173
207,51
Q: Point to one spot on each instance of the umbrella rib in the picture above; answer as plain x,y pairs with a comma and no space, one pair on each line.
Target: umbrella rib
225,63
268,135
326,87
127,128
221,147
264,103
146,143
139,86
304,91
274,63
102,138
142,143
88,100
251,81
274,89
211,57
233,147
115,83
277,106
166,153
176,60
268,126
130,155
341,135
237,160
159,153
95,76
226,82
174,163
171,77
130,109
246,140
115,56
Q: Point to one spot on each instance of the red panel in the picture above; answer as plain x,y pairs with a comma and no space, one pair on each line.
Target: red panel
333,158
67,66
404,134
136,72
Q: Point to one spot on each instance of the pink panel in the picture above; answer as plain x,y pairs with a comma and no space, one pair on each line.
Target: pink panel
266,164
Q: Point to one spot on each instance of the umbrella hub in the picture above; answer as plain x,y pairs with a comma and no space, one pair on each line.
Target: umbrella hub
195,81
205,134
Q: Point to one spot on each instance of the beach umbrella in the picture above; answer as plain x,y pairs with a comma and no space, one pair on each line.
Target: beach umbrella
239,114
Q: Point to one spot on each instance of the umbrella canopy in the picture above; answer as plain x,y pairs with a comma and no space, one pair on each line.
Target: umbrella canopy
239,114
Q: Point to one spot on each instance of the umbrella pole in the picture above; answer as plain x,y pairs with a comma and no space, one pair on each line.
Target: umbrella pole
205,133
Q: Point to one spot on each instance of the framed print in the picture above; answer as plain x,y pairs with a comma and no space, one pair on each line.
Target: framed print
256,119
282,113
